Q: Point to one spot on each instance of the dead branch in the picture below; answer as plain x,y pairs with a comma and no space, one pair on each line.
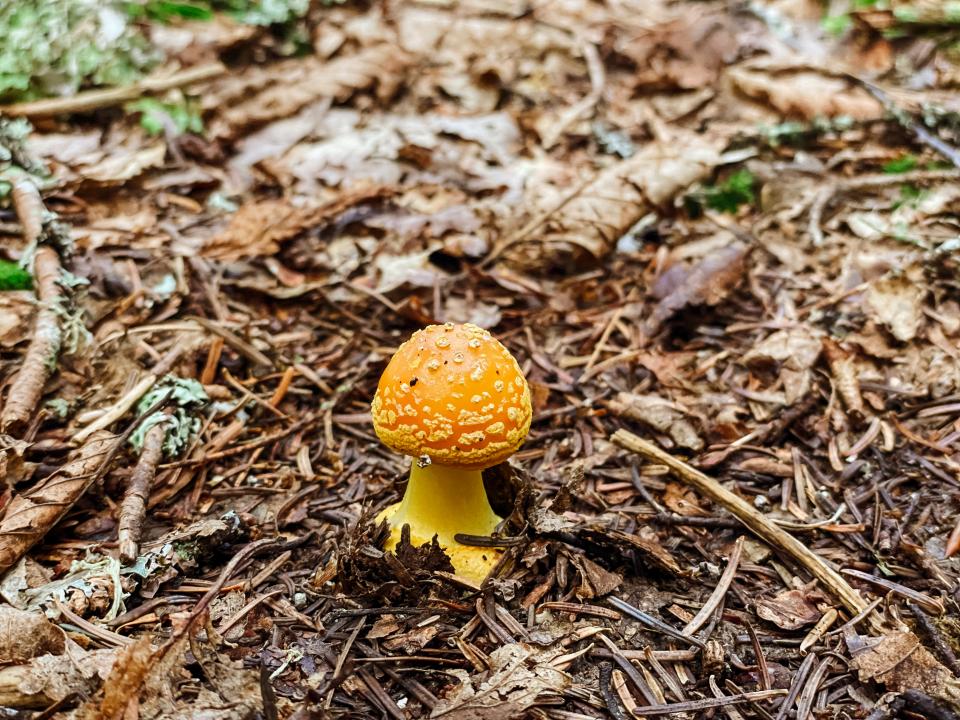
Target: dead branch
134,506
31,515
41,356
96,99
751,518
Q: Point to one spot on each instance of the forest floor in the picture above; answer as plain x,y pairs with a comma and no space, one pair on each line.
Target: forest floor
721,240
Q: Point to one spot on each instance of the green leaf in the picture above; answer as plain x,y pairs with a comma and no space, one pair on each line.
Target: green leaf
182,116
14,277
735,191
166,10
902,164
836,25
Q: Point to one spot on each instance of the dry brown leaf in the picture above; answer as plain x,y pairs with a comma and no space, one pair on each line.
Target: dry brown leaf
595,581
585,224
25,635
50,678
806,93
16,312
520,675
843,368
796,351
264,94
896,301
259,229
899,661
791,609
687,51
122,165
706,283
659,414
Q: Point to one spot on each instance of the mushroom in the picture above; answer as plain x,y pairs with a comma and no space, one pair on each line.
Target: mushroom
455,400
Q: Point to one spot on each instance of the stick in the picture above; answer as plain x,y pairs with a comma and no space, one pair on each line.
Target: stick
41,356
134,506
754,521
96,99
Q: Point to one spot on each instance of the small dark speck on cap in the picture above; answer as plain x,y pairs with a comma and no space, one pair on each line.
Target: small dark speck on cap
413,382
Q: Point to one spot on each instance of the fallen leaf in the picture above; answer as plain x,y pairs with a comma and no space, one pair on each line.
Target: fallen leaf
896,301
661,415
707,282
900,662
790,609
806,93
26,635
16,312
583,223
595,581
520,675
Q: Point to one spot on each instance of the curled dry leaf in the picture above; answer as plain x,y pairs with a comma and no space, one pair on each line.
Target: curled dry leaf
899,661
264,94
843,368
595,581
50,678
586,223
795,350
707,282
806,93
791,609
661,415
259,229
896,301
520,675
25,635
687,51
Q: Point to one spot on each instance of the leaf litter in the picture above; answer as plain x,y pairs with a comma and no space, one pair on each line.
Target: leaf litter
730,231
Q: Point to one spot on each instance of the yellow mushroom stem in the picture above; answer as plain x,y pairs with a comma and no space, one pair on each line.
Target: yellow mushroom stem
445,501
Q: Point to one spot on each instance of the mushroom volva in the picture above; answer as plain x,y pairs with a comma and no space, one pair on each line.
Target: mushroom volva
455,400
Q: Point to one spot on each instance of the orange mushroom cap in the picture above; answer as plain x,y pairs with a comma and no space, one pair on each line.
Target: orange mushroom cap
453,393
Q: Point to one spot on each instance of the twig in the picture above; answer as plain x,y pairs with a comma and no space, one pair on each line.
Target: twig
752,519
41,356
716,597
31,515
908,121
918,597
940,646
707,703
796,686
829,191
96,99
134,506
652,622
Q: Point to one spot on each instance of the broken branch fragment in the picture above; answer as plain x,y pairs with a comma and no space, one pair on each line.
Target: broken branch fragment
752,519
41,357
